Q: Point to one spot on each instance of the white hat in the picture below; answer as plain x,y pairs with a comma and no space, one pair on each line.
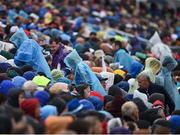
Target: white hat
2,25
2,58
13,29
11,62
140,95
35,16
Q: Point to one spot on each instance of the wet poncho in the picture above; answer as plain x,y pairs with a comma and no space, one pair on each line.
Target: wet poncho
29,52
164,78
83,73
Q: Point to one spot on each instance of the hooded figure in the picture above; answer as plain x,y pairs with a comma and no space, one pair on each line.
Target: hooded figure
83,73
29,52
124,59
152,67
165,79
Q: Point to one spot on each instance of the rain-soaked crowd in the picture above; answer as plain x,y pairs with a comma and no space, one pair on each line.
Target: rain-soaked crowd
64,69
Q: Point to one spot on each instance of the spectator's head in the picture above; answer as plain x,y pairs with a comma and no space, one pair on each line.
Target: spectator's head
57,124
80,126
161,126
55,42
95,125
143,80
31,107
83,90
59,103
130,110
117,45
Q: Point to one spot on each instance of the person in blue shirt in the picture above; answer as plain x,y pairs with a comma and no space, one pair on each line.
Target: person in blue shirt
122,56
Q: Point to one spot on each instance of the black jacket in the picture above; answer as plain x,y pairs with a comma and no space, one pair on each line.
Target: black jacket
154,88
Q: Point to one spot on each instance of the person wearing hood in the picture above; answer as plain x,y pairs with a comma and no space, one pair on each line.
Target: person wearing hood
165,79
122,56
124,59
29,52
82,72
152,68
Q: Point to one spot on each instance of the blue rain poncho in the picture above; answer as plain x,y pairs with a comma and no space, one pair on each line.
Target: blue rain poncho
83,73
136,68
164,78
29,52
11,16
122,57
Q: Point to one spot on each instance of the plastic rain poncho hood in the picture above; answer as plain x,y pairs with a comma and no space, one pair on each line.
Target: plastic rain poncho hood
158,48
122,57
152,67
165,79
30,52
83,73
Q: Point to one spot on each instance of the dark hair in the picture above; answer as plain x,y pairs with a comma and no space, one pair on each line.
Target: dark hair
2,98
117,78
16,69
65,96
118,43
42,74
80,126
115,91
5,124
143,124
57,40
107,99
38,127
59,103
101,117
176,112
17,114
92,33
26,68
80,89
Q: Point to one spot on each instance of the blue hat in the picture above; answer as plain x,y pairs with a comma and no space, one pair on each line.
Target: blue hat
48,110
29,75
74,106
123,85
4,67
5,86
129,97
65,37
87,105
18,81
175,123
98,104
42,96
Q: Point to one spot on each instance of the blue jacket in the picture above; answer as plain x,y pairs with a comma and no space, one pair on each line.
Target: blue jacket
124,59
